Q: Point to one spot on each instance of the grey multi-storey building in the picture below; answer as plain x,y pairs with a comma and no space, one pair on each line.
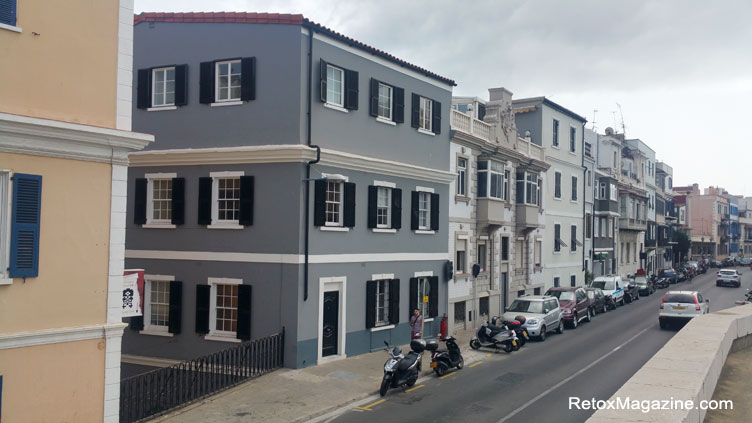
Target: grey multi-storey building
606,205
299,180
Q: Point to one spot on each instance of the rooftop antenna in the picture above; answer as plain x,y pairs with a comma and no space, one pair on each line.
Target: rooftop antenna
613,113
594,122
623,127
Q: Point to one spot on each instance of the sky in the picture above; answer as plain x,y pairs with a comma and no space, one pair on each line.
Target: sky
681,70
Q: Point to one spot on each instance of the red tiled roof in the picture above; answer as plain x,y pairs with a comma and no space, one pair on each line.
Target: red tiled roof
280,19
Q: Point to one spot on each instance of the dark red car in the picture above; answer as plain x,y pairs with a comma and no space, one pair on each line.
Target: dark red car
574,304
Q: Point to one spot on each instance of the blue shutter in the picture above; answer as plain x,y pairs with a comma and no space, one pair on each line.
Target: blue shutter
8,12
24,241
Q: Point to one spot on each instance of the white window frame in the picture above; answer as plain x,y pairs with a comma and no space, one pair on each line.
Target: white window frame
379,190
214,334
163,70
424,281
150,329
341,101
462,176
538,252
385,305
614,192
573,242
229,81
427,210
425,120
555,129
572,139
561,188
215,222
390,101
482,259
340,213
603,191
6,207
489,173
460,265
150,221
575,182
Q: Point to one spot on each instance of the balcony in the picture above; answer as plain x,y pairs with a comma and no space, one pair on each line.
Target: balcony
530,149
630,224
588,150
469,125
527,216
492,212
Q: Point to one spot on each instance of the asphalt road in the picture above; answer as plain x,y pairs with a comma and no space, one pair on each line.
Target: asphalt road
535,383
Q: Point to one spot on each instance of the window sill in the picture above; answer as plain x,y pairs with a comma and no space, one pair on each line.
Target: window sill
159,226
424,232
380,328
10,28
225,226
425,132
161,108
557,198
428,320
336,107
384,231
6,281
227,103
221,338
386,121
572,153
155,333
573,201
334,229
461,199
556,146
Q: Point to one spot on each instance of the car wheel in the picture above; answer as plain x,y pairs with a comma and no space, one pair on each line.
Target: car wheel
738,284
637,297
621,303
605,309
574,321
560,329
589,316
717,284
542,336
662,324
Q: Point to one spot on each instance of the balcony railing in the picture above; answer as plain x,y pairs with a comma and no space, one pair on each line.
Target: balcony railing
529,148
470,125
629,223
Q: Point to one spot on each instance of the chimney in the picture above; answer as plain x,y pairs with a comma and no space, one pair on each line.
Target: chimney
500,94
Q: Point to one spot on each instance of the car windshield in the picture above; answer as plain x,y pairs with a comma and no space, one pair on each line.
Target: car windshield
604,285
524,306
680,298
562,295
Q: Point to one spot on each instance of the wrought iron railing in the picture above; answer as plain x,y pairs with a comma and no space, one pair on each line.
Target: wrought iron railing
158,391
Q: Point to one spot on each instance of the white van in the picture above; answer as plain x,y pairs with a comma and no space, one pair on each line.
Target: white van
612,286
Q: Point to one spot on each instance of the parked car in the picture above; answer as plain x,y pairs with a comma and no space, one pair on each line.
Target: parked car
542,314
598,302
728,277
612,286
644,285
746,261
669,274
574,304
681,306
728,262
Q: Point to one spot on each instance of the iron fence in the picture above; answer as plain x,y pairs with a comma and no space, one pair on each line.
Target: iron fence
161,390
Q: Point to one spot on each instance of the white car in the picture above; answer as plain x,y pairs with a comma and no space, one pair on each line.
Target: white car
728,277
681,306
542,313
612,286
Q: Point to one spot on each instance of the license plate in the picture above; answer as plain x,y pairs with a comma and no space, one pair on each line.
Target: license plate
680,308
524,333
433,364
514,343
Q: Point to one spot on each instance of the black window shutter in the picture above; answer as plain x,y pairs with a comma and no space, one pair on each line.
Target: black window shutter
414,215
136,323
434,212
175,313
246,200
373,192
143,91
398,114
351,90
373,107
394,299
181,85
203,299
178,201
322,80
248,78
204,200
349,203
319,203
8,17
370,304
244,312
396,208
412,302
436,124
206,83
415,122
139,202
433,296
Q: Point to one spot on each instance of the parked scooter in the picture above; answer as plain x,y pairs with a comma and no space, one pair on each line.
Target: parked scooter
516,326
400,370
496,337
444,360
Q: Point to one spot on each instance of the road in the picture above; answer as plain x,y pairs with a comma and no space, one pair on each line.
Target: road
535,383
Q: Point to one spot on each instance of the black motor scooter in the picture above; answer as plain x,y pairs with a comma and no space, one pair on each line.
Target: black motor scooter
498,337
443,360
400,370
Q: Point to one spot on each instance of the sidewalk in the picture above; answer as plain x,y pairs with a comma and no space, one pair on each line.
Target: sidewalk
299,395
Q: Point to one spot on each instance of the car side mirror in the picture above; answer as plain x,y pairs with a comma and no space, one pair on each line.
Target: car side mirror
707,300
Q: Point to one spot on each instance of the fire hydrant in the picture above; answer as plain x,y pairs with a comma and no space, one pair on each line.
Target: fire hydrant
443,329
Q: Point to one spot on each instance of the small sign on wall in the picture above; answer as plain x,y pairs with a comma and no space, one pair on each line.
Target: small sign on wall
133,290
425,298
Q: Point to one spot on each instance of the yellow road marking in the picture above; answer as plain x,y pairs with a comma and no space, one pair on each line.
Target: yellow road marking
488,355
414,388
368,407
475,364
447,375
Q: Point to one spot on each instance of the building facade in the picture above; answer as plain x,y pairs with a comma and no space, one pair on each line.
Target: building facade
666,219
589,160
301,184
645,173
63,167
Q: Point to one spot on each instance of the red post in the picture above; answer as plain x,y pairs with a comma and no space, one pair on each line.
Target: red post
444,327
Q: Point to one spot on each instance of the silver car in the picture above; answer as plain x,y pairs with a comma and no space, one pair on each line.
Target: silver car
542,314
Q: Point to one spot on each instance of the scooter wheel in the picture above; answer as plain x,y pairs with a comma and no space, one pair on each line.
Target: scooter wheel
461,364
474,344
507,348
440,370
516,347
384,386
412,380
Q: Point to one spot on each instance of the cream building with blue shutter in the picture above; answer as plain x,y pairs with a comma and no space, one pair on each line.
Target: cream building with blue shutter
64,140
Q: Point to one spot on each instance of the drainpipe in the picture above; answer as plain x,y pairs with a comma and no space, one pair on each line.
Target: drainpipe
584,198
308,165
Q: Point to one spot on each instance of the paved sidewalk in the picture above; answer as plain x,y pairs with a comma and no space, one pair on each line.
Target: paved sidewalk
734,385
300,395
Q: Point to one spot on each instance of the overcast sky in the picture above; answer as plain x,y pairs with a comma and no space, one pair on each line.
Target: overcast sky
680,69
